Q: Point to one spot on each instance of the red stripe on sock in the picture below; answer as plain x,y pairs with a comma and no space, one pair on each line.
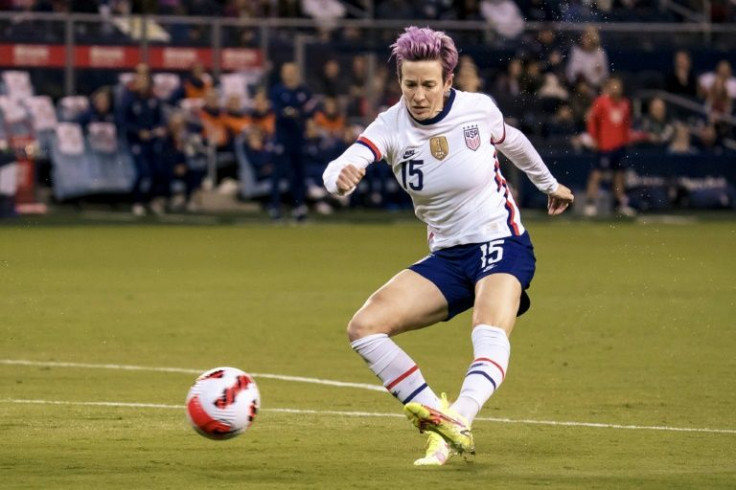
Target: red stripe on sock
401,378
485,359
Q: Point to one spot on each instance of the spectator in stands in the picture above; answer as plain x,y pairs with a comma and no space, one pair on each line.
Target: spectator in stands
258,153
214,128
262,116
330,83
547,49
723,71
357,103
719,106
609,125
655,128
504,16
681,80
581,99
510,81
196,83
184,156
540,10
236,120
588,60
562,123
681,141
467,78
531,79
101,109
708,139
329,119
396,9
144,127
325,13
293,105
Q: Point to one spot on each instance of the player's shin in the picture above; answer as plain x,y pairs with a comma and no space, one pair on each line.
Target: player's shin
491,349
396,370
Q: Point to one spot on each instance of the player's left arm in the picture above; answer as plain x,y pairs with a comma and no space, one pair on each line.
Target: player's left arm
523,155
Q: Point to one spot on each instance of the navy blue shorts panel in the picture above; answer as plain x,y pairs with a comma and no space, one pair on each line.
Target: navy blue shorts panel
611,160
456,270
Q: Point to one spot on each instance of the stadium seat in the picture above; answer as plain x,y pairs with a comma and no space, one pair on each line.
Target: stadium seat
72,106
17,84
102,137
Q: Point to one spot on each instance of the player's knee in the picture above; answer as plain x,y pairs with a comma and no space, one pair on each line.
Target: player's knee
360,326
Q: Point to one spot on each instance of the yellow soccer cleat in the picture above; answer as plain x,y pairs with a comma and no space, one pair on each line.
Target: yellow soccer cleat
446,423
437,452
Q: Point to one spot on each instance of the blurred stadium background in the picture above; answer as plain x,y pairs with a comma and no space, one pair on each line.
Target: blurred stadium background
212,63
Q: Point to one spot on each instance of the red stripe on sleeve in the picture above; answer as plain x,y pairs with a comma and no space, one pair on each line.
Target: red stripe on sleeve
371,146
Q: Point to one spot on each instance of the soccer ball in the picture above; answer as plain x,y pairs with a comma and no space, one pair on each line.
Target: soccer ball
223,403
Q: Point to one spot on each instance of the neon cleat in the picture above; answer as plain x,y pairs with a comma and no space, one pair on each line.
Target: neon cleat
437,452
446,423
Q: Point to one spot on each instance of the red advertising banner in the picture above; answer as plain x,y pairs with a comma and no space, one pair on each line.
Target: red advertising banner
126,57
45,55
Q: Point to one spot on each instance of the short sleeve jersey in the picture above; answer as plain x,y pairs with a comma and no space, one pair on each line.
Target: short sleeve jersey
449,166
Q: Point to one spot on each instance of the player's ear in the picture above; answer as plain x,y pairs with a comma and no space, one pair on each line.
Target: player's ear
449,81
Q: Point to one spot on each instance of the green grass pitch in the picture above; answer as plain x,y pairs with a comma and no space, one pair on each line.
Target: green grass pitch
631,325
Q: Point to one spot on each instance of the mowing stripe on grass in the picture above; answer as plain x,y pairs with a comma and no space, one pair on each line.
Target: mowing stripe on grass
593,425
126,367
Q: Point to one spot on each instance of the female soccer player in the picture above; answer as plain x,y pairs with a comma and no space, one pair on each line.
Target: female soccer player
441,144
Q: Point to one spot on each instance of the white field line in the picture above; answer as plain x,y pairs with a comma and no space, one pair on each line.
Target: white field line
126,367
300,379
379,414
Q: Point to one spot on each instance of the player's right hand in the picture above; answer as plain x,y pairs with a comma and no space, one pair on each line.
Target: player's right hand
348,178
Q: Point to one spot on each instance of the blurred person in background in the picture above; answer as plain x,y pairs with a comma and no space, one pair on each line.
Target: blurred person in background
196,83
681,141
681,80
504,16
588,60
262,115
184,154
656,129
722,71
719,106
329,119
212,116
236,119
144,127
609,125
330,82
293,105
101,109
509,82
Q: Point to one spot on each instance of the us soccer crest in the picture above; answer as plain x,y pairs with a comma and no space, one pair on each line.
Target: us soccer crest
439,147
472,137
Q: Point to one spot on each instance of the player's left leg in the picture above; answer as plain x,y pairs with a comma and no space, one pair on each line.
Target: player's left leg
494,315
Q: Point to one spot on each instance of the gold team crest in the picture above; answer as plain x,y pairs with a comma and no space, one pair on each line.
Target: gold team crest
439,147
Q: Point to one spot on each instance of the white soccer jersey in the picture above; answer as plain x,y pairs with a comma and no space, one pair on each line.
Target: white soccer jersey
449,167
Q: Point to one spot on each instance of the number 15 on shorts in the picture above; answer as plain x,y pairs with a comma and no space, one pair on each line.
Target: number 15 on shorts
490,254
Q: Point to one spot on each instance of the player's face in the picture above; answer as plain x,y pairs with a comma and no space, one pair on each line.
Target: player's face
423,88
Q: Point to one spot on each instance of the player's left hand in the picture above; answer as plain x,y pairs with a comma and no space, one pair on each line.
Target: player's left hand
559,200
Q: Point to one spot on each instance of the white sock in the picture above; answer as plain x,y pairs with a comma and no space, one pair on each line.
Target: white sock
398,373
492,350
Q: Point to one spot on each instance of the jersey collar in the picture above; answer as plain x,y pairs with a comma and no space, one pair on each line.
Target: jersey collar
445,110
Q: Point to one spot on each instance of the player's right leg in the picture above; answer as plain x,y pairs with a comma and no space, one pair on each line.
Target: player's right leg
406,302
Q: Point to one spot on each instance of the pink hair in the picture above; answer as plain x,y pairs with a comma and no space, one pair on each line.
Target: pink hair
420,44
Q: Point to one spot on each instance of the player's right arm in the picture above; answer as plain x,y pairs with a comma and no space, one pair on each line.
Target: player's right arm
343,174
